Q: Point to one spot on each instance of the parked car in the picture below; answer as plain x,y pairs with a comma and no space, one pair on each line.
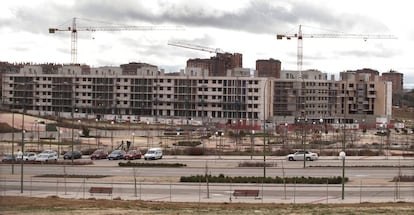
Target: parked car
132,155
116,155
153,153
9,158
49,152
44,157
310,156
99,154
76,155
29,156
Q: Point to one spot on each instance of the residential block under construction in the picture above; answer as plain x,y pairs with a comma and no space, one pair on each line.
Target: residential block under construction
198,94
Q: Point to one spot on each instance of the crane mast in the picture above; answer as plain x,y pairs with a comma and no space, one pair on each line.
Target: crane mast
74,32
300,37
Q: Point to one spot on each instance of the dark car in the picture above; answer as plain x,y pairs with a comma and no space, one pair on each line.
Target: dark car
132,155
116,155
76,155
9,158
99,154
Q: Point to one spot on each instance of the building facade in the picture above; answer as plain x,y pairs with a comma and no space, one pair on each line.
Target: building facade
268,68
141,90
219,64
396,79
110,92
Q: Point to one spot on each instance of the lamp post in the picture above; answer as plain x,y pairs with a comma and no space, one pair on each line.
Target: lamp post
252,145
342,155
22,161
264,129
112,136
133,136
221,142
59,133
13,141
217,152
321,133
285,136
147,134
220,135
304,124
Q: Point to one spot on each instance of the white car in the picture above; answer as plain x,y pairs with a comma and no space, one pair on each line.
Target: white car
29,156
44,157
47,151
297,156
153,153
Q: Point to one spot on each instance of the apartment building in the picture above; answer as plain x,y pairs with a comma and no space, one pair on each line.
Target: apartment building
306,94
142,90
136,90
219,64
396,79
364,97
268,68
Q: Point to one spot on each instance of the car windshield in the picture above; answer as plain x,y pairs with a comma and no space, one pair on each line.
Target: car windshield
132,152
151,152
43,156
98,152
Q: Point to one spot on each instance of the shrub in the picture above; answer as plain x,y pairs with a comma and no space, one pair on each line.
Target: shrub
131,164
195,151
256,164
188,143
253,179
88,151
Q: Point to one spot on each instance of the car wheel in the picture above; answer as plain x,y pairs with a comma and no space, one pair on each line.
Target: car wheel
308,159
290,159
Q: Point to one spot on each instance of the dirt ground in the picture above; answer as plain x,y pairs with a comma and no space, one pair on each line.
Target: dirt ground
54,205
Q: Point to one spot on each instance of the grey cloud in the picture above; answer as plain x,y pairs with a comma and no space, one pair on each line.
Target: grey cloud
257,17
379,52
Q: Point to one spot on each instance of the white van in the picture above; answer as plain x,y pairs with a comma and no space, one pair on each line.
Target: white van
153,153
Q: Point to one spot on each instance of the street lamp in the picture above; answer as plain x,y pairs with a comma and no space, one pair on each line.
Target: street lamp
219,134
96,132
22,161
342,155
321,133
285,134
304,124
13,141
252,145
112,136
59,132
147,134
133,136
221,142
264,129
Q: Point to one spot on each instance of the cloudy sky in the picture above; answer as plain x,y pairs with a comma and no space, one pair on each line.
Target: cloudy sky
243,26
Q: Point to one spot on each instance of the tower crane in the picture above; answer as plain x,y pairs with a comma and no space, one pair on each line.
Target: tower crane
195,47
300,37
74,32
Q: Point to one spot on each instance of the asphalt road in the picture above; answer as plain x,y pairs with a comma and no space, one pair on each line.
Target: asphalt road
201,192
370,180
356,167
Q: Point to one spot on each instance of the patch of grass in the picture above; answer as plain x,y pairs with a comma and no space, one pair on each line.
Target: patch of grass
49,206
